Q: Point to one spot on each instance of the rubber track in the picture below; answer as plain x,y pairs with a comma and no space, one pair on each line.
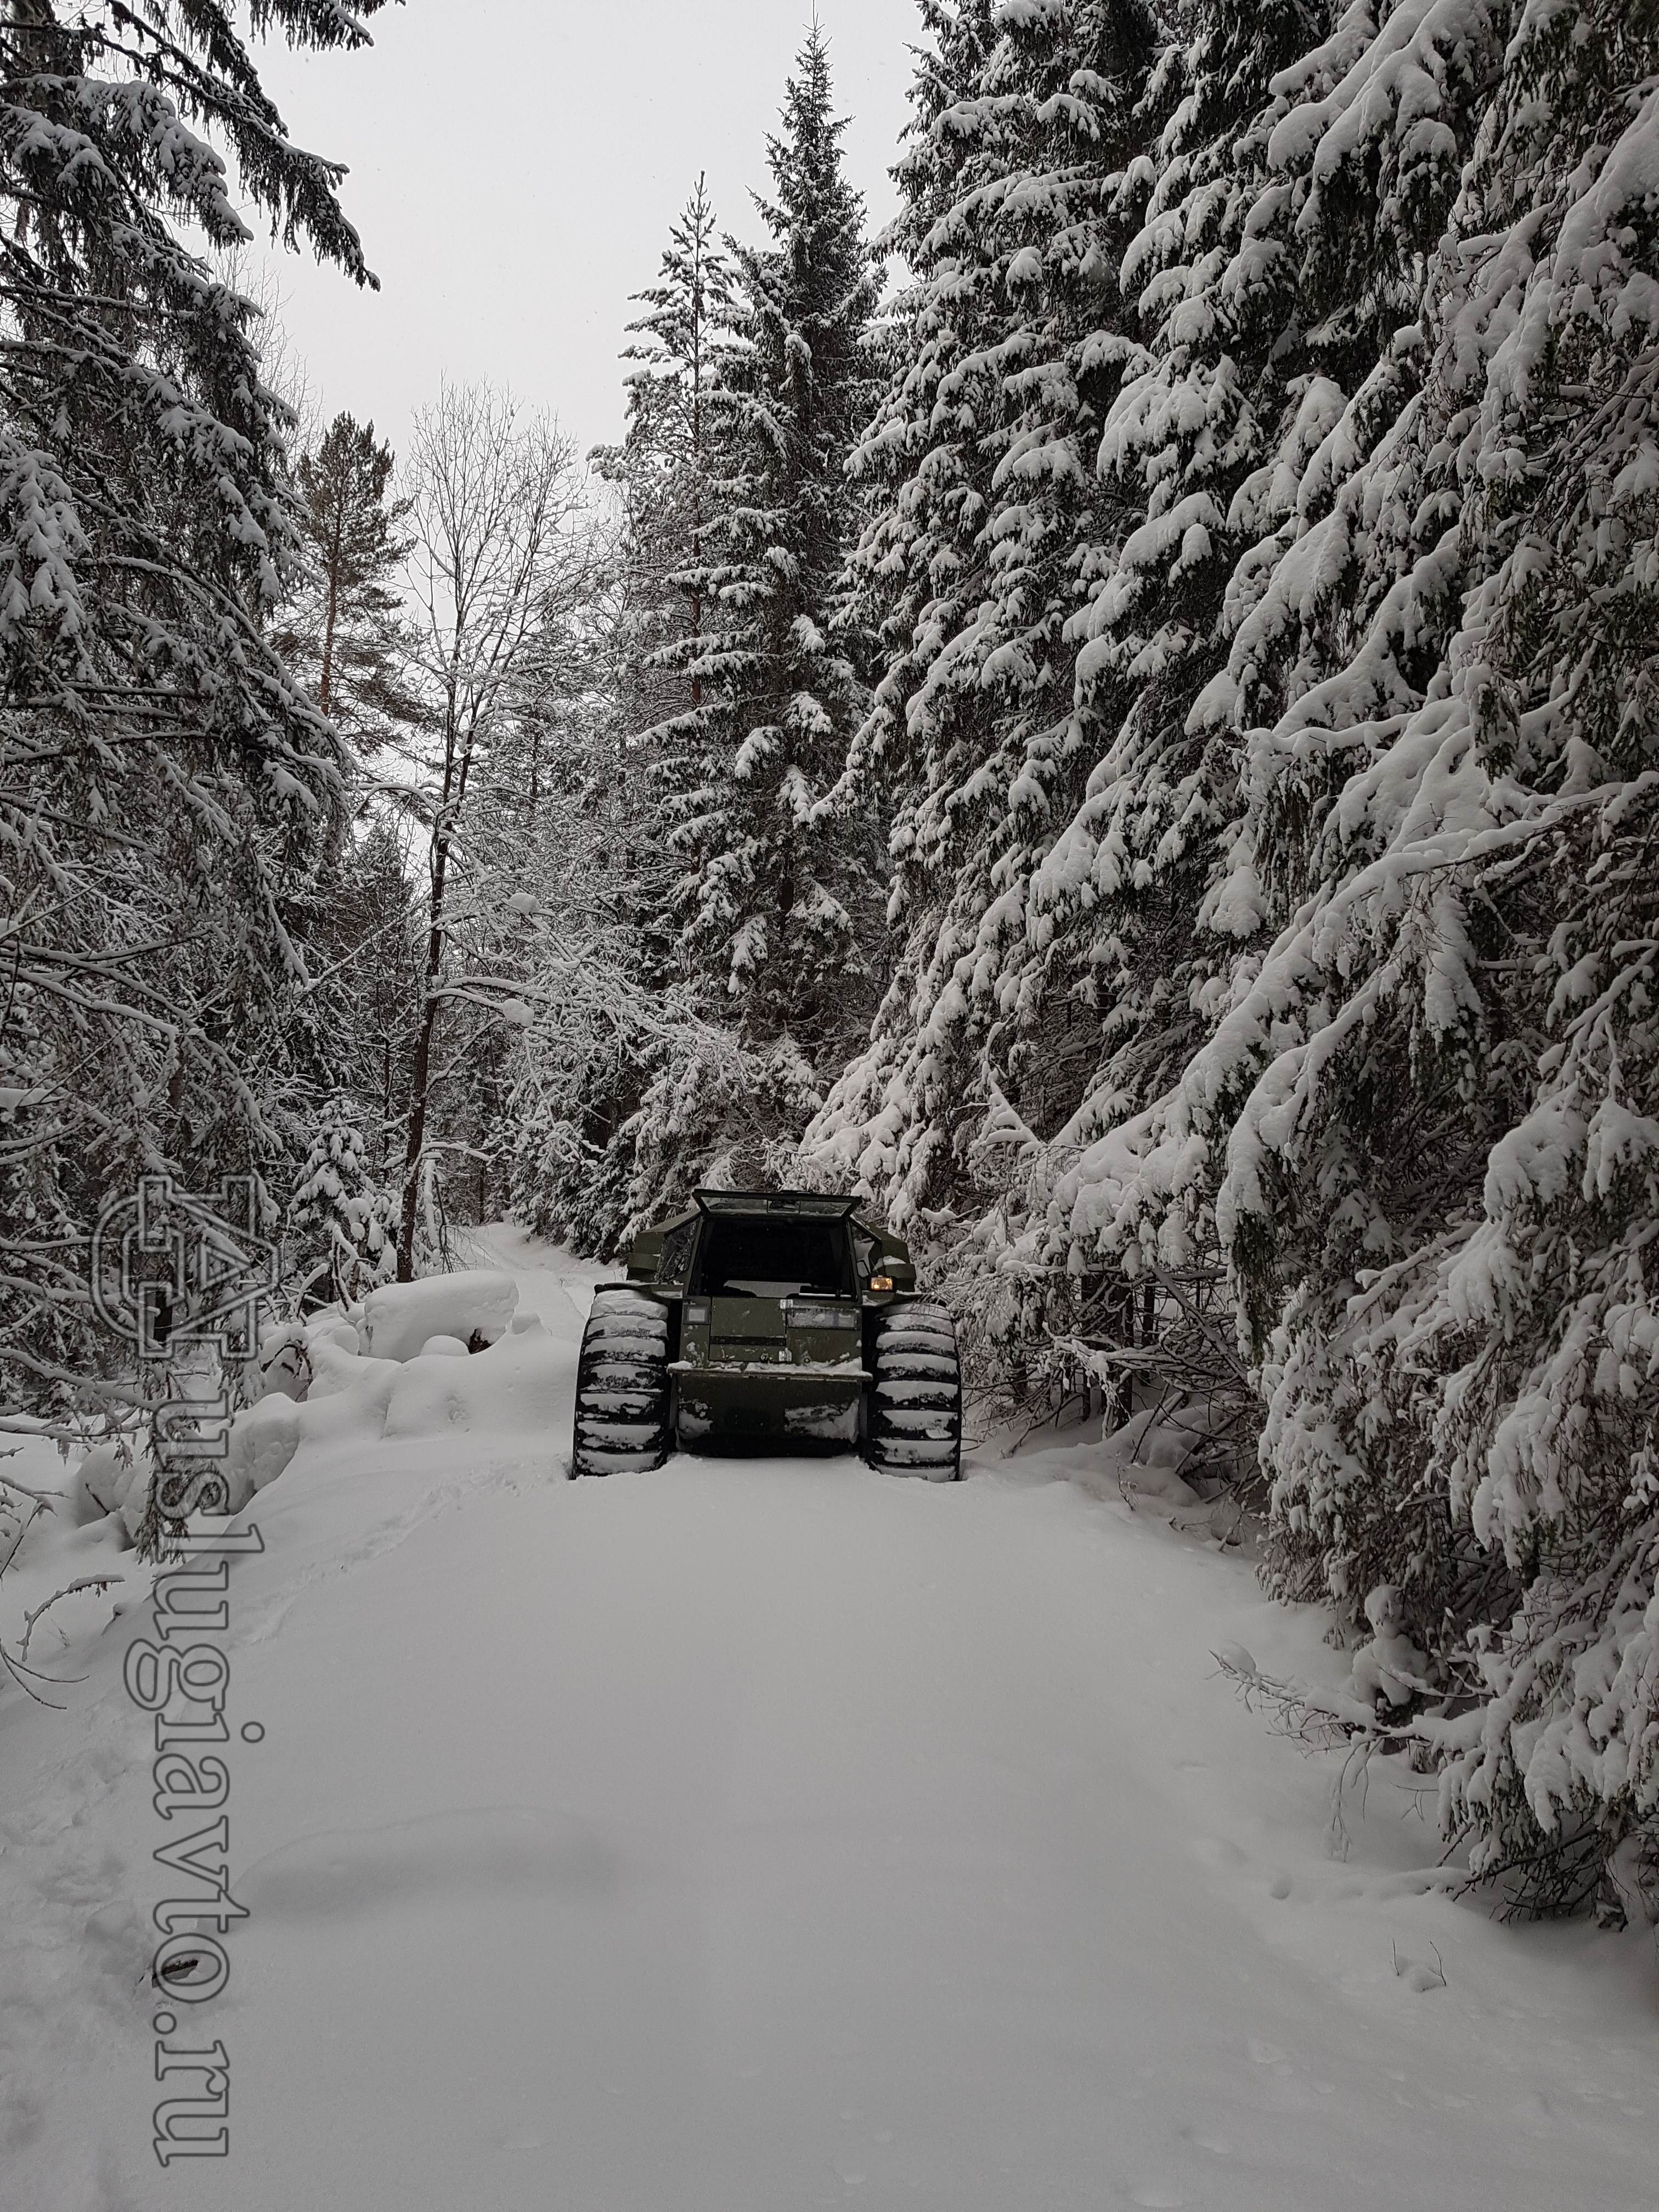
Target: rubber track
916,1412
621,1386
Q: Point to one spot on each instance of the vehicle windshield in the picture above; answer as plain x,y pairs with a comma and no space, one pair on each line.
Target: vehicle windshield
774,1259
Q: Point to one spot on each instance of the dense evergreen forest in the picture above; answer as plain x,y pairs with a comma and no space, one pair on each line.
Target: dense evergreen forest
1119,719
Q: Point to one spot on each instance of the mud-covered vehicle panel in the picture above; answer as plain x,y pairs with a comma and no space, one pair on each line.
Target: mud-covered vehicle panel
781,1320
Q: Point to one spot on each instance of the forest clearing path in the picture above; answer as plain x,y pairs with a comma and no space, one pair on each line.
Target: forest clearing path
761,1834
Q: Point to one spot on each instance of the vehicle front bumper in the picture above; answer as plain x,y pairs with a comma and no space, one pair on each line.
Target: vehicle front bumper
759,1402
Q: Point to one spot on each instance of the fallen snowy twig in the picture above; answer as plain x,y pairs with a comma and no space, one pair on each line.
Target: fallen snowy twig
1319,1720
70,1589
1318,1723
17,1668
1322,1720
40,1507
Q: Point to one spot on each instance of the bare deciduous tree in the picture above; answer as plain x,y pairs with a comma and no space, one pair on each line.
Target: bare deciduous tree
499,514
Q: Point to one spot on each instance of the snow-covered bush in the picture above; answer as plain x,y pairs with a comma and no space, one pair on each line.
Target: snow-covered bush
344,1221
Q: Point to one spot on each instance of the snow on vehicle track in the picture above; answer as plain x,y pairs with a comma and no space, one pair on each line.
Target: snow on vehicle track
755,1835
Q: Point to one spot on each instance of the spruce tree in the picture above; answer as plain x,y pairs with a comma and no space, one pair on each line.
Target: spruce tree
1023,184
1145,906
1436,1167
579,1103
1415,1106
168,792
663,466
772,880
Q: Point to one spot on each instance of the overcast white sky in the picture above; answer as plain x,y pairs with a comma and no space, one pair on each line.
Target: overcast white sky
514,167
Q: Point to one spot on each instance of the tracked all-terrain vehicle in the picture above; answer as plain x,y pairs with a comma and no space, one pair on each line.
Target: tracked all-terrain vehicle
781,1321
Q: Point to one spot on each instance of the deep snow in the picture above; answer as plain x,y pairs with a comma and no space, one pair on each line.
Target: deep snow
762,1834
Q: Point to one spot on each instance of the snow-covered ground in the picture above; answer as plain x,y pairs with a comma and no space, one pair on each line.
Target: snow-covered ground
762,1834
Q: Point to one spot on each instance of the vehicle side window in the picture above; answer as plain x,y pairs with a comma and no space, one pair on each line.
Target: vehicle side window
676,1260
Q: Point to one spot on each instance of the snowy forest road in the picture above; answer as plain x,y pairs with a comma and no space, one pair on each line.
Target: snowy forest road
759,1835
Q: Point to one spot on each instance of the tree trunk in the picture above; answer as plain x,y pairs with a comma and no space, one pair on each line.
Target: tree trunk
454,797
325,681
434,950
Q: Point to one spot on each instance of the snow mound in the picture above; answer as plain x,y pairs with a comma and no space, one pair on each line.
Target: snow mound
98,1485
323,1393
262,1440
398,1366
1388,1666
518,1387
1144,1457
400,1319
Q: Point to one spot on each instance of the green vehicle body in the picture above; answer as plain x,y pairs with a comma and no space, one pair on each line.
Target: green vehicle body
761,1321
761,1358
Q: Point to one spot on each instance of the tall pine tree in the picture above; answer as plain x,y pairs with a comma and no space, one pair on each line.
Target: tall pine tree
343,630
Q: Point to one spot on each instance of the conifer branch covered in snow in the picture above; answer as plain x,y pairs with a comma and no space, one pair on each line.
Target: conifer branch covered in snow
168,792
1272,901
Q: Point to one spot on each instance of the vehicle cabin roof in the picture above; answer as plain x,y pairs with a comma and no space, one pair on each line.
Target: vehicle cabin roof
824,1205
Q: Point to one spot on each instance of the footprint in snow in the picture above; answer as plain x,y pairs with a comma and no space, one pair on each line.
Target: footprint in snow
1218,1852
508,1850
1206,2138
1419,1977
